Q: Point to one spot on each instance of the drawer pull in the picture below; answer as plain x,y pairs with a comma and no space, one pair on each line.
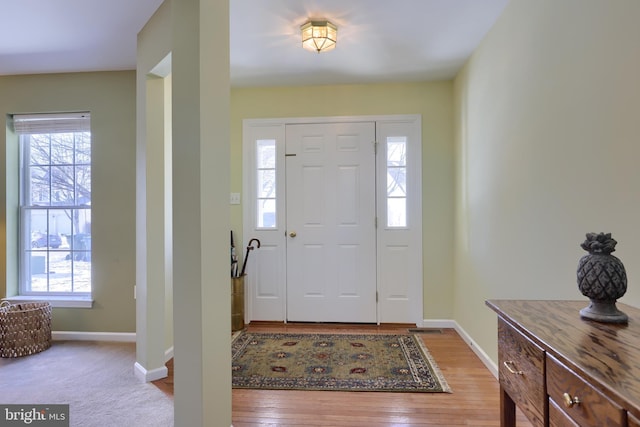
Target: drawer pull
510,365
570,401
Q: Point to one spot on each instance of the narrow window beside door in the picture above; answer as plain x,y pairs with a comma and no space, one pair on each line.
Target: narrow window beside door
396,181
266,185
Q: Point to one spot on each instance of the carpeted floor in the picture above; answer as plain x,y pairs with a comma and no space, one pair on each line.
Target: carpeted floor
398,363
96,379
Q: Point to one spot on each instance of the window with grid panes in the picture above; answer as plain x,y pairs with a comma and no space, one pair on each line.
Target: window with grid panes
55,203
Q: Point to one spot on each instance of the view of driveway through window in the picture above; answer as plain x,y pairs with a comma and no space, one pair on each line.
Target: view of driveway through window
64,274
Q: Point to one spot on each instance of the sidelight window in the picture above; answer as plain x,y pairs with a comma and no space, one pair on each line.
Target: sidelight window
396,181
266,183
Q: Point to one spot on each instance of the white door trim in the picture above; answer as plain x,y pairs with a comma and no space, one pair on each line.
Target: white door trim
399,251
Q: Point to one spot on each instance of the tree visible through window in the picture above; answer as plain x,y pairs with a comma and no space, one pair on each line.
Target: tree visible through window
266,175
55,212
396,182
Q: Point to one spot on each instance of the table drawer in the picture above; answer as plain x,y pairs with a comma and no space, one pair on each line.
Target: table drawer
558,418
521,372
593,409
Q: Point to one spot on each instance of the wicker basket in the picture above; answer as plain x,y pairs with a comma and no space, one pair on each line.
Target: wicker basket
24,328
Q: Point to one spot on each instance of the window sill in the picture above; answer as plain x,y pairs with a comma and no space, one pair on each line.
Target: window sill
56,301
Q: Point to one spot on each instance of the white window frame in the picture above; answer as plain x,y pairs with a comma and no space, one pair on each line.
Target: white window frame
77,250
388,167
261,198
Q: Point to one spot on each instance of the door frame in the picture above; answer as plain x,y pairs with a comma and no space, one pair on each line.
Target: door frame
398,251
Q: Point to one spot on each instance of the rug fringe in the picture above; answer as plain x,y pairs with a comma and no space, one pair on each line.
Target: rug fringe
434,366
236,334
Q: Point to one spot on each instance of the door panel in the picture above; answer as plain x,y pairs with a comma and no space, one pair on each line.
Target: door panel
331,244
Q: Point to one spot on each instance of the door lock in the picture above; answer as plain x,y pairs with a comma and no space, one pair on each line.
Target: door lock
293,234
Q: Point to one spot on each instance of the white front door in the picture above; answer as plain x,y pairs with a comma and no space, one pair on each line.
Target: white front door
330,222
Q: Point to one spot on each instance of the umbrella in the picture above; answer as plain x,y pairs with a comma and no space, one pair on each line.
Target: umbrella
246,257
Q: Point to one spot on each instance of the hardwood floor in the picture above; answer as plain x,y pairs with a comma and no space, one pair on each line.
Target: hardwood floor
166,384
474,401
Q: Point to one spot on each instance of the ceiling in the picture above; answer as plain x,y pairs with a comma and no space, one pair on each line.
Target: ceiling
378,40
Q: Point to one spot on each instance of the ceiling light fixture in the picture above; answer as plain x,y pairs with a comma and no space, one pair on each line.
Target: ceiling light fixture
319,36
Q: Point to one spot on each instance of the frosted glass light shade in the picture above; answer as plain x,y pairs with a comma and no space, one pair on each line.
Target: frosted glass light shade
319,36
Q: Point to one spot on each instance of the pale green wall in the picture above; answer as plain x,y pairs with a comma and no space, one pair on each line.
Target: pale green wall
153,193
110,97
201,170
433,100
547,149
168,211
196,33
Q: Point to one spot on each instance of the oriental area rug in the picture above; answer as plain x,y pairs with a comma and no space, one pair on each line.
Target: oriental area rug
285,361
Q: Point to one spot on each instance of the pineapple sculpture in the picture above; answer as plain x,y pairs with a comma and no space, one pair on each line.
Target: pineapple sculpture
602,278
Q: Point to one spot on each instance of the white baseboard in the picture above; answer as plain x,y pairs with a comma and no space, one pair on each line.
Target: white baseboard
93,336
482,355
102,336
168,354
490,364
140,371
152,375
439,323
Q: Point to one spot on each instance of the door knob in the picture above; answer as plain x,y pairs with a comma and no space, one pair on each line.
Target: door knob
293,234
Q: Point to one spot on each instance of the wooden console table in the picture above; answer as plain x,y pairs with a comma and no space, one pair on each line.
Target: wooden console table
561,370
